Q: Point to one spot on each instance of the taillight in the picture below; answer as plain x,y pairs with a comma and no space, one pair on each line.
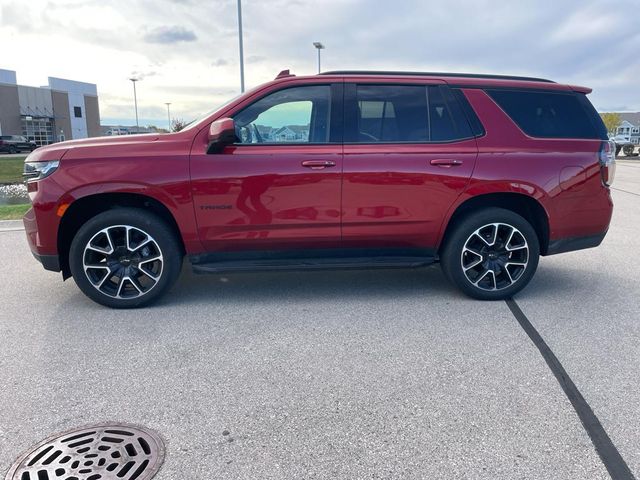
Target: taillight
608,162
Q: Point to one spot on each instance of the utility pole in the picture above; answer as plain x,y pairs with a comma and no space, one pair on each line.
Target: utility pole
168,114
135,101
240,45
319,46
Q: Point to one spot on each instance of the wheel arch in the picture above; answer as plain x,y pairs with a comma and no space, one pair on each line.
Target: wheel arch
86,207
524,205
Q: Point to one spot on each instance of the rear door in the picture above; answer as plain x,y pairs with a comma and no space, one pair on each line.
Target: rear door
409,152
23,143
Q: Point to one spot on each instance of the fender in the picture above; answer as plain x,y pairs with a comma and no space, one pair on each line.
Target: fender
476,189
184,217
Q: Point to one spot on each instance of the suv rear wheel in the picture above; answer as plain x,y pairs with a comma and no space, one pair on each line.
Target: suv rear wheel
491,254
125,258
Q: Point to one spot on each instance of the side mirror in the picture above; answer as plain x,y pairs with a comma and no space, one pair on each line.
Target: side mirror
222,132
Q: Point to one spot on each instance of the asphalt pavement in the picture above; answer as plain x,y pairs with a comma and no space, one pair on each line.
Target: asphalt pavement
354,374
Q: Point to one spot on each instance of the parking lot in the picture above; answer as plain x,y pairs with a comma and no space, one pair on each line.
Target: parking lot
354,374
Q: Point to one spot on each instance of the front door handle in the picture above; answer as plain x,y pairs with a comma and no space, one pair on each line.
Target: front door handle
318,164
446,162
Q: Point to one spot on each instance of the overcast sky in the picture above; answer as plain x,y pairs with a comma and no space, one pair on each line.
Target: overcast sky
186,51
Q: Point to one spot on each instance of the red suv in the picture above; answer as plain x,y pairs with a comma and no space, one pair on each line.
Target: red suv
345,169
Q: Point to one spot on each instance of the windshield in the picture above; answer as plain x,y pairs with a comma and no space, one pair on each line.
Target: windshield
198,120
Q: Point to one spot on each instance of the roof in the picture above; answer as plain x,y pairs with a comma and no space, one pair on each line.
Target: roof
436,74
294,128
632,118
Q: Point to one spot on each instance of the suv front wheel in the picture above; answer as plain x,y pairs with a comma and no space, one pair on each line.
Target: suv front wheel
125,258
491,254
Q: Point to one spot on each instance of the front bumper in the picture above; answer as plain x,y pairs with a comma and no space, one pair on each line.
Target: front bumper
50,261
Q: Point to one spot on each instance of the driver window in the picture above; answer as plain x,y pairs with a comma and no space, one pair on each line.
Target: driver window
292,115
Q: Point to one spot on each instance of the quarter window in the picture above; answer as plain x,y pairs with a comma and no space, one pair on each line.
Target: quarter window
293,115
550,114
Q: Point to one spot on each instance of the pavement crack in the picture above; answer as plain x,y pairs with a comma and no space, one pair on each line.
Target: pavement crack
609,454
625,191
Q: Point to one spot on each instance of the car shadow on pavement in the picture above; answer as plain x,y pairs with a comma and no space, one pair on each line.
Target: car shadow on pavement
553,279
266,287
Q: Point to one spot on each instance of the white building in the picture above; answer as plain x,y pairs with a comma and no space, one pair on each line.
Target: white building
62,110
630,127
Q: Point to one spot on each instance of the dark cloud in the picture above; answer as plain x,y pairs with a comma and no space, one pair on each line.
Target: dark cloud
170,34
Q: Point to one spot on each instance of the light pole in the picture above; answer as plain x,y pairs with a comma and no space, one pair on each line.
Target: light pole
319,46
135,101
168,114
240,46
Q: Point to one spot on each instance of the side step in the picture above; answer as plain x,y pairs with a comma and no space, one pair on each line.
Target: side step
325,263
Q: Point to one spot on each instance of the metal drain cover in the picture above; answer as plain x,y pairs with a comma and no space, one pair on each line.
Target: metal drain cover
101,452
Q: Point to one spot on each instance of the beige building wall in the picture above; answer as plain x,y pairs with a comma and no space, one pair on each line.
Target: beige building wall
10,110
92,111
60,102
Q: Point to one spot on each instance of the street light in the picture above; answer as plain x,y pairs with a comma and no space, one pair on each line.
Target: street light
240,46
168,114
135,101
319,46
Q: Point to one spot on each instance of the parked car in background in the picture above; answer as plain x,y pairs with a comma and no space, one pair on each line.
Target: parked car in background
623,143
15,144
482,173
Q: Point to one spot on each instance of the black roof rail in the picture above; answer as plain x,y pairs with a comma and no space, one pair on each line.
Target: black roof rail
436,74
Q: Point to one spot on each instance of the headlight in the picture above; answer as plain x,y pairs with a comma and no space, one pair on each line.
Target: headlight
34,171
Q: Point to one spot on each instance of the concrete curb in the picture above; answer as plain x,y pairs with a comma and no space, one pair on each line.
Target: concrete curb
11,225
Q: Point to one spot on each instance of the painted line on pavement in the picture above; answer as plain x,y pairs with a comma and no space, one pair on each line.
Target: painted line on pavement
613,461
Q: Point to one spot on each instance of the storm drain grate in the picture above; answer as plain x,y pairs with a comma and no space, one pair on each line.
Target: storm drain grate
100,452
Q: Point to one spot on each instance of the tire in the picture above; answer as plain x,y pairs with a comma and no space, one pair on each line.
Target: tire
125,258
13,149
628,150
512,243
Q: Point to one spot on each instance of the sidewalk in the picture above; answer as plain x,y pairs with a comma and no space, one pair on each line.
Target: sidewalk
11,225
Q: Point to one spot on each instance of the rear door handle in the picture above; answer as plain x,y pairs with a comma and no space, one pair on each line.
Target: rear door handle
446,162
318,164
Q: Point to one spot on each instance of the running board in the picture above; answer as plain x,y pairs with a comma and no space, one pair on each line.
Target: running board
326,263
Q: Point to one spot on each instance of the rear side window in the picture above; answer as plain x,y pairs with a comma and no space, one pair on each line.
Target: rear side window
477,129
447,120
407,114
547,114
392,113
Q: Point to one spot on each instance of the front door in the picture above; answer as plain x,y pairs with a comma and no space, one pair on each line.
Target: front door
278,186
409,153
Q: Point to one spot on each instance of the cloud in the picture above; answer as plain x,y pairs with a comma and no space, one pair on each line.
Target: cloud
586,42
141,75
255,59
170,34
